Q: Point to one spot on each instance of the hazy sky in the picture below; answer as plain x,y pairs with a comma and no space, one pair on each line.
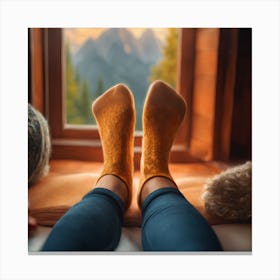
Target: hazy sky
77,36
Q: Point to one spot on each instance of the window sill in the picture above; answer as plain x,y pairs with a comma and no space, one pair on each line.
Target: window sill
91,150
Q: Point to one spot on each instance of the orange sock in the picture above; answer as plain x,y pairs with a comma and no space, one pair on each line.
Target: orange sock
114,112
163,113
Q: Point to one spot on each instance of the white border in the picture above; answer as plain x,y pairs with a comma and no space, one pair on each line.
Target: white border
17,16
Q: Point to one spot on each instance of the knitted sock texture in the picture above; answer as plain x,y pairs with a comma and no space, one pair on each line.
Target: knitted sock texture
114,112
163,113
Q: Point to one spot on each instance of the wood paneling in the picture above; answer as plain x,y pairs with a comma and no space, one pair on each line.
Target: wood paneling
207,39
54,80
213,94
203,105
185,77
225,92
203,128
36,70
241,135
203,89
206,63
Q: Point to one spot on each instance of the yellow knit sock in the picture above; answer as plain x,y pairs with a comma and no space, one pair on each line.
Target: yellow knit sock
114,112
163,113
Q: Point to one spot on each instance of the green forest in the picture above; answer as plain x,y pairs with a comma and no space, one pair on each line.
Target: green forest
79,98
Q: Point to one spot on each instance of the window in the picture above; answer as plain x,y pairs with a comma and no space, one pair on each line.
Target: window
83,142
98,58
206,77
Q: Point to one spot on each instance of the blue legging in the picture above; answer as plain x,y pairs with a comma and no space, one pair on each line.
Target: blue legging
169,223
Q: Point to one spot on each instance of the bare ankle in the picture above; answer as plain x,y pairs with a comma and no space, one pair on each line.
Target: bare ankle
114,184
155,183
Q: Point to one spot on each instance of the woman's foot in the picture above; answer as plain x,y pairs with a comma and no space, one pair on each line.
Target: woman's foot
114,112
163,112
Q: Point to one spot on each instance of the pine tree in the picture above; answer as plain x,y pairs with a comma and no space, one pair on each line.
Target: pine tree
72,91
166,68
100,88
85,104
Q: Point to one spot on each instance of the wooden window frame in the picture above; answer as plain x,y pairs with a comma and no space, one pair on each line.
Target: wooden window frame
83,143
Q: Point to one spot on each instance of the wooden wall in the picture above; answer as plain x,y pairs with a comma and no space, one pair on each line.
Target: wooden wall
204,91
241,137
220,126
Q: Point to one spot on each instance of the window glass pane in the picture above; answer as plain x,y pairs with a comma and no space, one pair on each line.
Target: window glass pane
98,58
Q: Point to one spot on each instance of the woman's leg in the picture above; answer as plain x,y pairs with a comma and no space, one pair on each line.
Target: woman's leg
170,222
94,224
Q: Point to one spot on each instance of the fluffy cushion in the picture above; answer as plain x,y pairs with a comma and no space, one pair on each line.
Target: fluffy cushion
229,194
39,146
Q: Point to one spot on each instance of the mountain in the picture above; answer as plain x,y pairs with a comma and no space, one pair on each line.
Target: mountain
150,47
115,36
147,48
85,51
116,56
